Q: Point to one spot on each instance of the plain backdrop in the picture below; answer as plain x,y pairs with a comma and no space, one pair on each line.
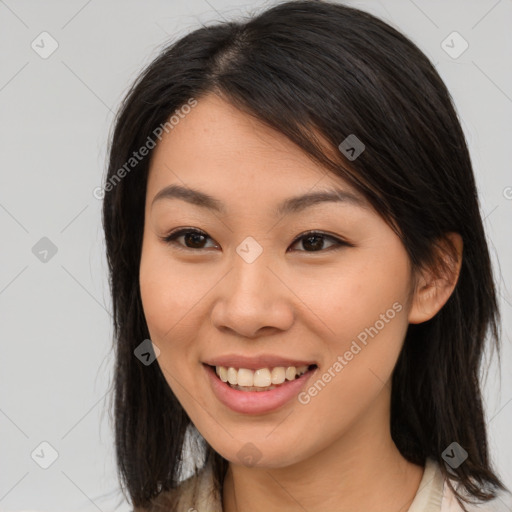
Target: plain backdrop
56,113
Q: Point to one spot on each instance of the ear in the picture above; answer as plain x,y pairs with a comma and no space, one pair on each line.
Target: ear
435,285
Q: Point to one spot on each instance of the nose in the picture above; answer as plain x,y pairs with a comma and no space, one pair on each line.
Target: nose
253,299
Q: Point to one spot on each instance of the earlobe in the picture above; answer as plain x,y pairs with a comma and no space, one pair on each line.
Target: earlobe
435,286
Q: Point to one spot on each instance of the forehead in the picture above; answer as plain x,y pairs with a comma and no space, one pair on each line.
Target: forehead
222,150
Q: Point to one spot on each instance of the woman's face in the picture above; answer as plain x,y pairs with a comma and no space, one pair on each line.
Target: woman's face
252,287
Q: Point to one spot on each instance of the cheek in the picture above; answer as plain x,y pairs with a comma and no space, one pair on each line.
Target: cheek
354,296
364,307
168,293
167,301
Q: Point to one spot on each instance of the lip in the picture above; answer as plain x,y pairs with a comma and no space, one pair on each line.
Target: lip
256,363
256,402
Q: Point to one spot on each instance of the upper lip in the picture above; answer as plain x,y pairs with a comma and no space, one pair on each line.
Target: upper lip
256,362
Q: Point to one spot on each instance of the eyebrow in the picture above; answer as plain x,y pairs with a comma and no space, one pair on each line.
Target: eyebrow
288,206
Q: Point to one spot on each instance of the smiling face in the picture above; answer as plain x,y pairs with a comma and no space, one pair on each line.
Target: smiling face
253,282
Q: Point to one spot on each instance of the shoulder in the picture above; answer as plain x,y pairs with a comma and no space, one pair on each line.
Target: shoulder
197,492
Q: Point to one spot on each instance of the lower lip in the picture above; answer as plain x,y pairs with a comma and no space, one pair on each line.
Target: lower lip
256,402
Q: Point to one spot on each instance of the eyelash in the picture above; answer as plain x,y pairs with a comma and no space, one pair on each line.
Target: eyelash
171,239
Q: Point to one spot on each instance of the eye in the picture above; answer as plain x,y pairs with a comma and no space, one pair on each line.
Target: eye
315,240
195,239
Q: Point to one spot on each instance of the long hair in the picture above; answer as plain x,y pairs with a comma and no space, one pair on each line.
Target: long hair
317,72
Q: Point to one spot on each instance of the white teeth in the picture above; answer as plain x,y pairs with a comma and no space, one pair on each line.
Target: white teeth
232,376
290,372
223,373
278,375
245,377
262,378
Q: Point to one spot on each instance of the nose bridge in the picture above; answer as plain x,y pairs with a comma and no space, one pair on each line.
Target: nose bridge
252,297
251,275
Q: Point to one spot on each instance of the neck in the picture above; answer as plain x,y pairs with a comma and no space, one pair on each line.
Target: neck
361,470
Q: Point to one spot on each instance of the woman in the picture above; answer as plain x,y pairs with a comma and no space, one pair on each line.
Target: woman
291,218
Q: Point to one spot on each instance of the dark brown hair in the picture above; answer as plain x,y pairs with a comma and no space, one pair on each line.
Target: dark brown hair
309,68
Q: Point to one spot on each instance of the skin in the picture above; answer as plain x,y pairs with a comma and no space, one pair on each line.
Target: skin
334,453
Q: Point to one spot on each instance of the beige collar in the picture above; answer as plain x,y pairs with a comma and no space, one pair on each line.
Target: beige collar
429,495
433,494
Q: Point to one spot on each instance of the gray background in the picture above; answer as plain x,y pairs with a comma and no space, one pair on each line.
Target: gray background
56,113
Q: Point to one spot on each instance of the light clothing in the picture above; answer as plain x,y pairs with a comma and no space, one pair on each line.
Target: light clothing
433,494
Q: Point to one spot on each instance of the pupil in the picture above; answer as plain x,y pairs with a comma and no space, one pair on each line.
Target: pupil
317,245
194,237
